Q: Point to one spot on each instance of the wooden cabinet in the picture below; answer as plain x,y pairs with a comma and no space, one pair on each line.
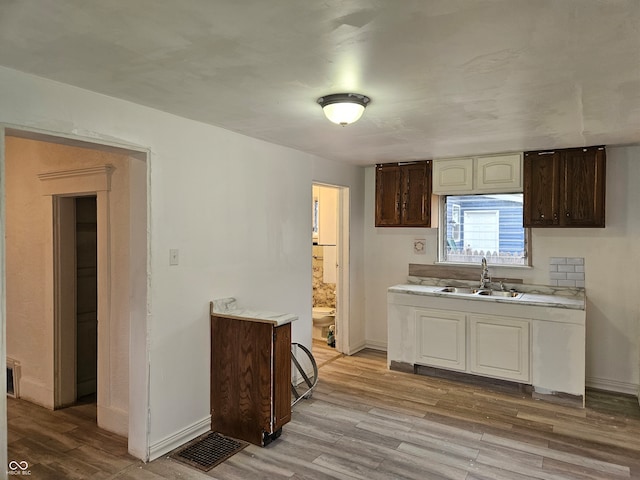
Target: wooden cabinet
453,175
519,341
483,174
565,188
499,173
493,346
250,378
403,194
441,339
499,347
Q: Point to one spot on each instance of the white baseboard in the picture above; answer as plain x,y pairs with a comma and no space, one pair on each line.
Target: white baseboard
159,448
613,385
353,349
36,392
375,345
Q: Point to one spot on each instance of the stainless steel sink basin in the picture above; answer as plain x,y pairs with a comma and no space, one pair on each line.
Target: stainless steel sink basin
480,291
464,290
501,293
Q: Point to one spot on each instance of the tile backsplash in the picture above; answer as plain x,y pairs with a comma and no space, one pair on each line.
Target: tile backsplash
566,272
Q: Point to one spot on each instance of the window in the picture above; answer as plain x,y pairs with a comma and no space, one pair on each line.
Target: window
476,226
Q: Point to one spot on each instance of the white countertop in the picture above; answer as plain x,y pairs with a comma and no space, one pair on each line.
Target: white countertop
534,299
227,308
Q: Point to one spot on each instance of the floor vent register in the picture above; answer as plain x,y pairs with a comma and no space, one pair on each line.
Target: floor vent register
208,450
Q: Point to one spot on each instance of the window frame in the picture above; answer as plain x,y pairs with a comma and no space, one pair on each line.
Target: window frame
442,236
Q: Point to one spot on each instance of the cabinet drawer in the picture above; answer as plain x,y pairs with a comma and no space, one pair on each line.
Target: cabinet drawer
441,339
499,347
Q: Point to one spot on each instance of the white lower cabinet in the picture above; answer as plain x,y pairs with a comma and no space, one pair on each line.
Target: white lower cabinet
441,339
499,347
525,342
481,344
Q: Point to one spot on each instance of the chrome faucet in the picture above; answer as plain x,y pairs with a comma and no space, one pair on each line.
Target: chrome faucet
485,278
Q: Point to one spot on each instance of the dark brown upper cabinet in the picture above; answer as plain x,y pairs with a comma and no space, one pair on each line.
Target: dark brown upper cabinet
564,188
403,194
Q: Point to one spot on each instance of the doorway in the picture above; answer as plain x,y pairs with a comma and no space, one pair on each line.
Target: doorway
330,301
65,193
76,283
86,297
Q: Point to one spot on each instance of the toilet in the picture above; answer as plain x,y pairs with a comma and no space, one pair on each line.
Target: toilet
323,318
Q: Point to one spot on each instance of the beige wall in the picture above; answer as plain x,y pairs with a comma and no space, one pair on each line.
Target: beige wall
29,250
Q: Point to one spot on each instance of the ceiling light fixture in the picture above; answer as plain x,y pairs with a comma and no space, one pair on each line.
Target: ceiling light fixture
343,108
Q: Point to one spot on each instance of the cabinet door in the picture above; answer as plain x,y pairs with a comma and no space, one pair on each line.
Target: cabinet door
281,376
541,189
416,194
388,187
241,378
499,173
499,347
441,339
453,176
584,187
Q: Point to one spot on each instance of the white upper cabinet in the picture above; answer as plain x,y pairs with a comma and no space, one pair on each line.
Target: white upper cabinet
454,174
485,174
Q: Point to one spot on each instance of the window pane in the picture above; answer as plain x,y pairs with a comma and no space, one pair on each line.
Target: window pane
488,226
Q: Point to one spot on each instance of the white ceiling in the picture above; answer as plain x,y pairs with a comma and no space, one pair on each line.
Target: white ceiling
446,77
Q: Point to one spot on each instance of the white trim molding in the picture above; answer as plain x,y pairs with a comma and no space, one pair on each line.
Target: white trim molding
95,179
159,448
613,385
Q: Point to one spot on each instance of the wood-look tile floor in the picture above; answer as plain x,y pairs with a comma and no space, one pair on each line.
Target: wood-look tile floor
366,422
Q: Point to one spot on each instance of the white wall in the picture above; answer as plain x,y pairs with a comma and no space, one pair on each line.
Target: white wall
612,264
236,208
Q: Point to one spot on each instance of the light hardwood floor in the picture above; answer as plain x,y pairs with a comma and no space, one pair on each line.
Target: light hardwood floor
366,422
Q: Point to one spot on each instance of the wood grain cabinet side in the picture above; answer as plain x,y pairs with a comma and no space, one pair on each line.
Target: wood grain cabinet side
565,188
403,194
250,378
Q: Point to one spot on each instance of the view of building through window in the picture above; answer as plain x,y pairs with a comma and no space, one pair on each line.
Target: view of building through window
489,226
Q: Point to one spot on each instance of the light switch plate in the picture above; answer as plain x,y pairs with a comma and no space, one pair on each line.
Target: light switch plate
173,256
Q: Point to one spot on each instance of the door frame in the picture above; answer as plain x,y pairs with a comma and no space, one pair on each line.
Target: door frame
63,186
343,301
343,308
64,301
139,274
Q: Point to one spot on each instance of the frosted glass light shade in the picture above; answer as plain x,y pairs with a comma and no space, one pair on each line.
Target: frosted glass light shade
343,113
343,108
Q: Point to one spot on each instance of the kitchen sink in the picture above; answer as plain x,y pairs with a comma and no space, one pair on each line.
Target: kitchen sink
483,292
501,293
463,290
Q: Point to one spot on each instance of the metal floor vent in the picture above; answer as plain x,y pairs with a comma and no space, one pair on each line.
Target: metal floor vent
208,450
